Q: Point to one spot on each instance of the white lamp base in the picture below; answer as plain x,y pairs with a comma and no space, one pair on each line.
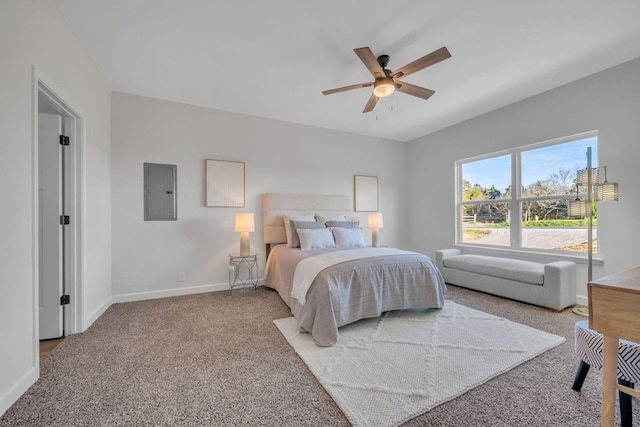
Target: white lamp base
375,238
244,243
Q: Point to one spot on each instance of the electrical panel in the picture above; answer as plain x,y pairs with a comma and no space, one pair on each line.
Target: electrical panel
160,192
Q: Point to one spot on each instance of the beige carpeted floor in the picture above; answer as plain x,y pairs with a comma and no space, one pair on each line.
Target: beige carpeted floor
213,359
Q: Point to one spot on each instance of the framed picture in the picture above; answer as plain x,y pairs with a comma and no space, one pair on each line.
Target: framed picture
366,193
224,184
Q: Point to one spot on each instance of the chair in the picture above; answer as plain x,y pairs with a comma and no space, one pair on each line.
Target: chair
588,346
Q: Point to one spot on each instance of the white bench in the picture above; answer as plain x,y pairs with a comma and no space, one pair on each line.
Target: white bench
550,285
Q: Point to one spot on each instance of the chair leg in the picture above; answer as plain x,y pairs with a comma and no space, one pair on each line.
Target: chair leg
583,370
626,415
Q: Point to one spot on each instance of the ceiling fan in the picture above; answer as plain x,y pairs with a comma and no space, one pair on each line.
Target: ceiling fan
386,82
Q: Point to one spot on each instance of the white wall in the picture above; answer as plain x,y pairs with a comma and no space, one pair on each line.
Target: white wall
278,156
32,33
608,102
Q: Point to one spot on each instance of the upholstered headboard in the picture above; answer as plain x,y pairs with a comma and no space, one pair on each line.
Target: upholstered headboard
274,205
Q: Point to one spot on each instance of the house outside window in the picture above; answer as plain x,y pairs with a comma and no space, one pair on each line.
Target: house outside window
519,198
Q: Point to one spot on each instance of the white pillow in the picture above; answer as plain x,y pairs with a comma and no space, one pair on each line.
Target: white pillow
349,238
318,238
292,238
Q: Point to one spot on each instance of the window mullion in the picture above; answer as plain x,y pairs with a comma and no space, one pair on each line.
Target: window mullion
458,213
515,207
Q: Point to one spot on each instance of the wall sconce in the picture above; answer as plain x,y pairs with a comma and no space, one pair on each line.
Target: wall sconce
375,224
245,225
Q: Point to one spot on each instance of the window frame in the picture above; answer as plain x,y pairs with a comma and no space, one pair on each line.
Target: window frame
516,198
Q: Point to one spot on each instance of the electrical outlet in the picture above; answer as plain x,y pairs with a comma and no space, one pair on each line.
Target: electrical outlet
182,276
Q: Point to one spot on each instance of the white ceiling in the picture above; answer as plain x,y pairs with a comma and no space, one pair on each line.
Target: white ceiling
274,58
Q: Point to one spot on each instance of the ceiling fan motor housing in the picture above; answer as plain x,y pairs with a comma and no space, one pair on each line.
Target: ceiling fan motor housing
383,60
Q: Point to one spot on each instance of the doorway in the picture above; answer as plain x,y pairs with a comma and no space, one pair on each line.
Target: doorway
58,216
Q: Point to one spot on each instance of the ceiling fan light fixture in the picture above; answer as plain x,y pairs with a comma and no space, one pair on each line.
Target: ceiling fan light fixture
384,87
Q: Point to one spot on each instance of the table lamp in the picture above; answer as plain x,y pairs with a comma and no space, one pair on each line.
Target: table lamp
244,226
375,224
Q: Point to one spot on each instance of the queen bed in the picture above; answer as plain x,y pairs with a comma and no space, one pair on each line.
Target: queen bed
323,271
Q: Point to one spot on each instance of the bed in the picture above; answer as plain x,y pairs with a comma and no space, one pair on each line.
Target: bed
327,287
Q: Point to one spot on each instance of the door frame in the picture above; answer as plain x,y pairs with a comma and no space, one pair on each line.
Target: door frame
74,286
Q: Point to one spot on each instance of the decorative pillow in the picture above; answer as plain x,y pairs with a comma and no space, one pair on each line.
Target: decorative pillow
349,238
306,224
302,225
287,226
343,224
331,217
315,239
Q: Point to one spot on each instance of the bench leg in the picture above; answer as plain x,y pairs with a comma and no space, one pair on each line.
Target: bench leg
583,370
626,416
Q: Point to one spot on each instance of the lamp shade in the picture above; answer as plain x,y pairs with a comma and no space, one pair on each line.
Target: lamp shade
244,222
375,221
607,192
578,208
583,176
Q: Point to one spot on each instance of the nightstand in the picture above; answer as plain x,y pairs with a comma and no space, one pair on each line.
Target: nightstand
243,274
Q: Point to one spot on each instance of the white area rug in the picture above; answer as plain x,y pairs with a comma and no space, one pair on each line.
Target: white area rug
385,371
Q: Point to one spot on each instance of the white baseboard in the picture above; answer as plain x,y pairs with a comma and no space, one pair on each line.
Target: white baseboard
139,296
17,390
97,313
582,300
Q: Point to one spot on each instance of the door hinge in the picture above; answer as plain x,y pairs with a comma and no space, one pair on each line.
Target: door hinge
64,220
64,140
65,299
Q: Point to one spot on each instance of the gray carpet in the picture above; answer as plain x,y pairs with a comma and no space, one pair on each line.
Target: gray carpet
213,359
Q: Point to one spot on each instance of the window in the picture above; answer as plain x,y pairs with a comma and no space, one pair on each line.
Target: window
519,198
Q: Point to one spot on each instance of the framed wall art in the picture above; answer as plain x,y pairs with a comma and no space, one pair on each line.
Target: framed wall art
366,193
224,184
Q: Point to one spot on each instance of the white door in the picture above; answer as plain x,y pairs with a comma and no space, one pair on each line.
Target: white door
49,229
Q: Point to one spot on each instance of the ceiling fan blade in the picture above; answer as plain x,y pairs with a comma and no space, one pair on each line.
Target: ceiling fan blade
371,103
424,62
370,61
343,89
414,90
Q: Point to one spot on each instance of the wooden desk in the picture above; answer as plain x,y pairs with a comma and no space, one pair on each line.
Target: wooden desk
614,311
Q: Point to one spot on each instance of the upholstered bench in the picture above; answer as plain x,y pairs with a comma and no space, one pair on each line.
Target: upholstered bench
588,346
550,285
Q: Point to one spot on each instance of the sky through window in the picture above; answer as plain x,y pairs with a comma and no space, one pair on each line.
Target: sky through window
537,164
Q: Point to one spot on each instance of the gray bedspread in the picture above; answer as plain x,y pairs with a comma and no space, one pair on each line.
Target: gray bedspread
354,290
